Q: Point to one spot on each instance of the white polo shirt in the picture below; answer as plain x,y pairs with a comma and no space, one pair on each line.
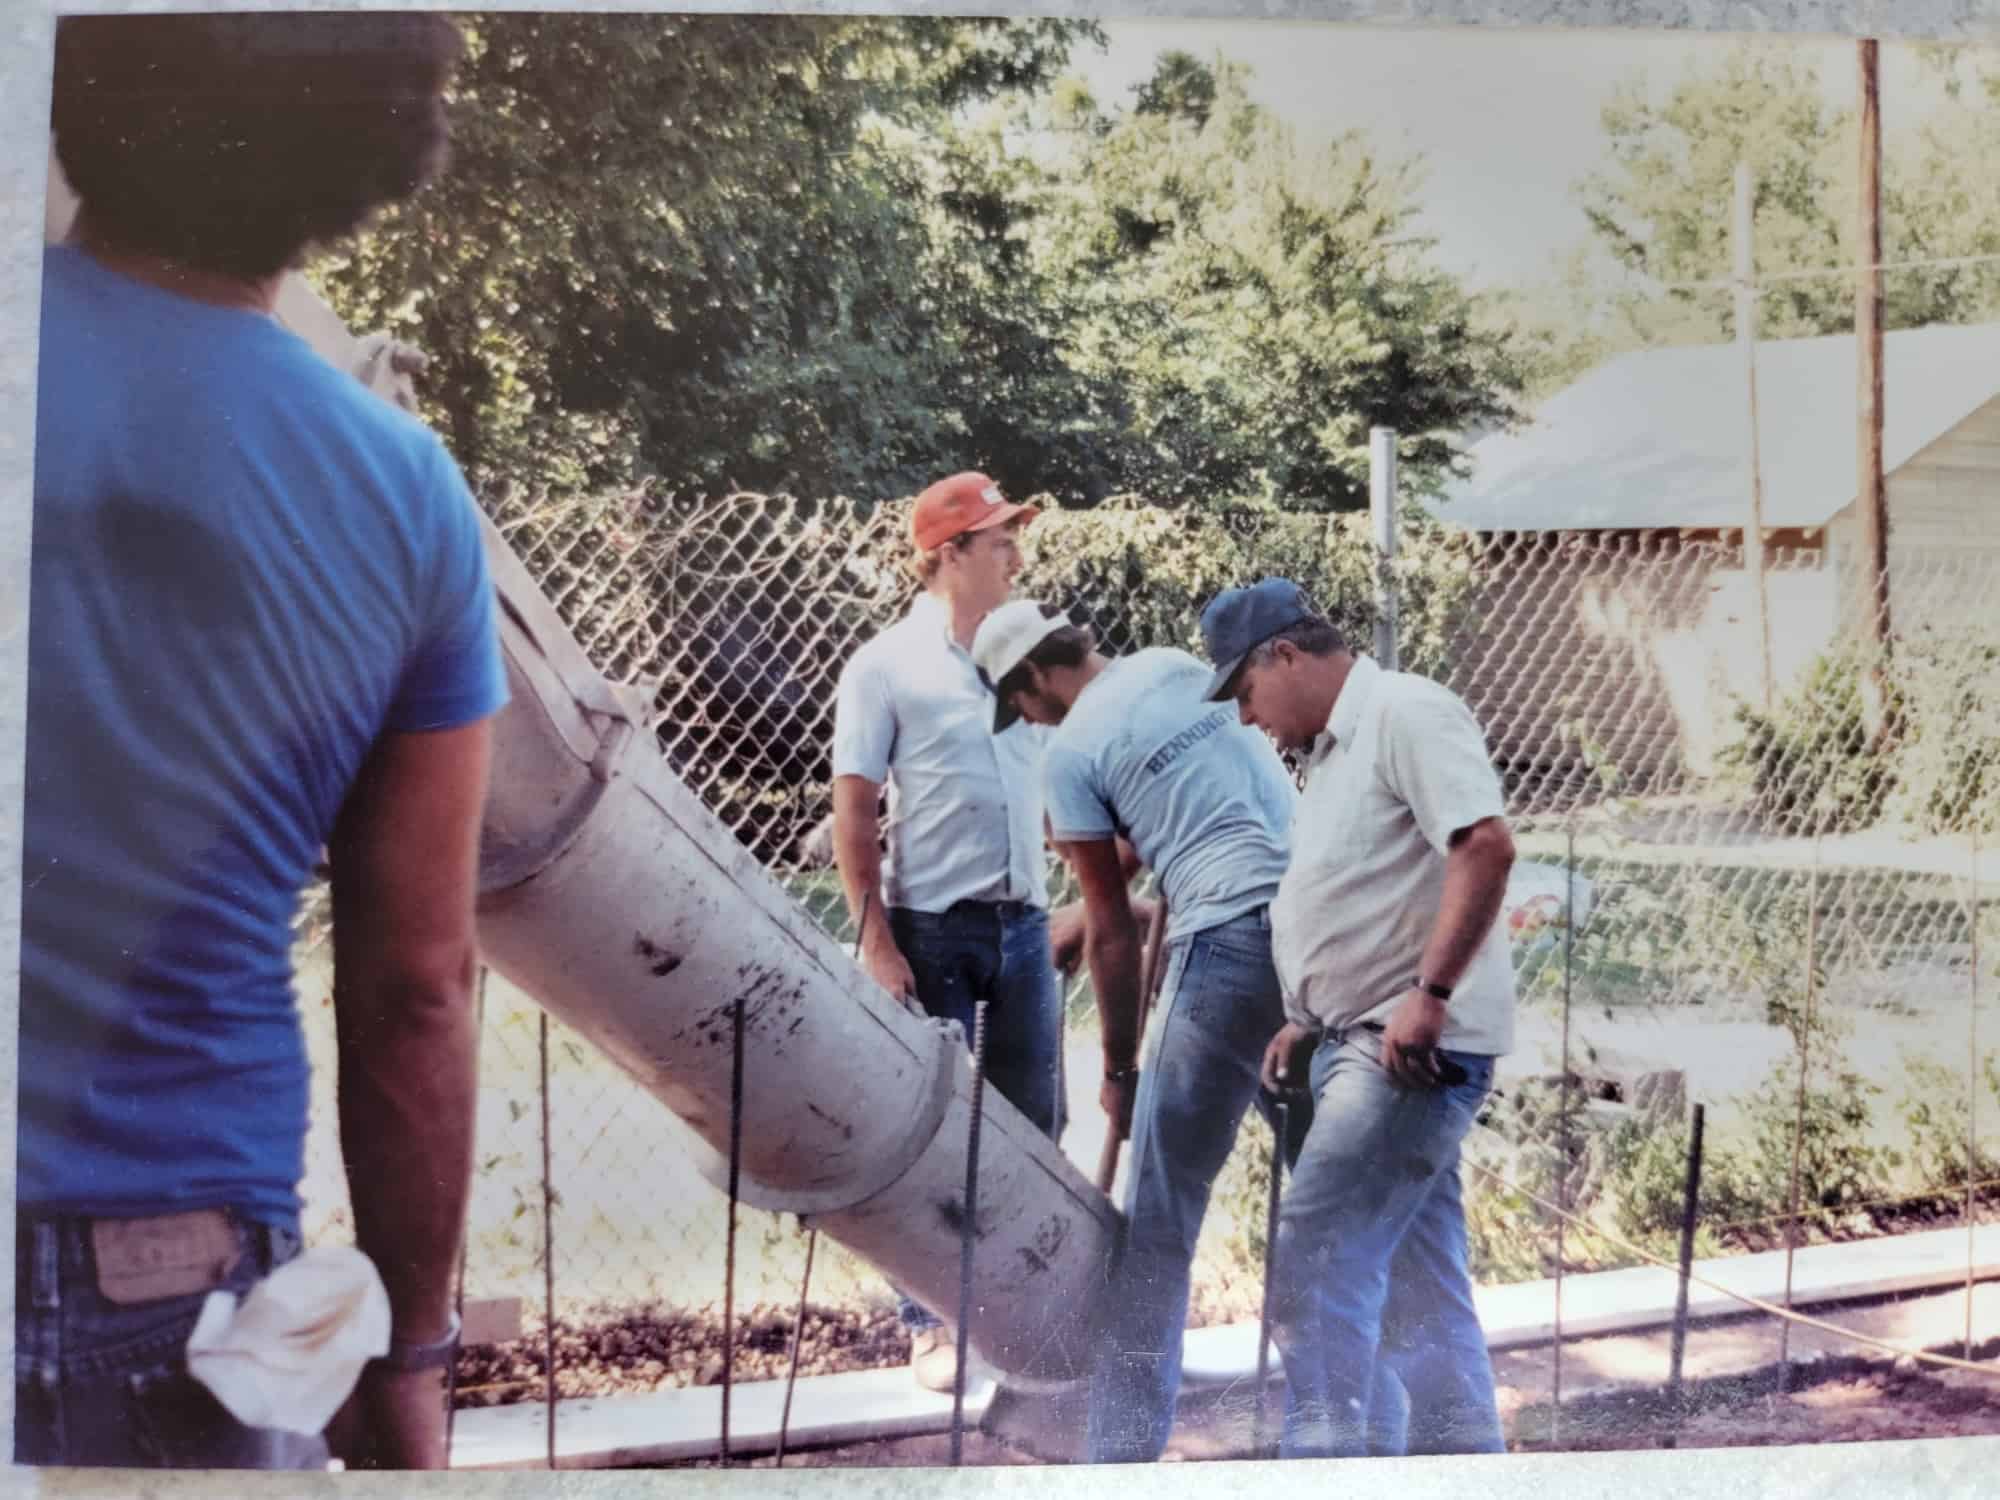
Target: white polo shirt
1401,766
965,804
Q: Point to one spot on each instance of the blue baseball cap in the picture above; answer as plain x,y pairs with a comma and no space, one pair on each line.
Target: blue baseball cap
1237,621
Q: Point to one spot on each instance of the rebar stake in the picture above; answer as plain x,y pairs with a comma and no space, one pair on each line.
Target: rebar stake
968,1233
1280,1134
548,1255
798,1336
1693,1193
729,1251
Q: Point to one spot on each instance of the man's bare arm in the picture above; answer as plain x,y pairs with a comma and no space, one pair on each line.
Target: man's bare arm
1475,886
405,852
857,852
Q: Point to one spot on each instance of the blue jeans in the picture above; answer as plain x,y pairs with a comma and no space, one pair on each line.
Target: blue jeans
103,1383
1371,1298
1199,1075
997,952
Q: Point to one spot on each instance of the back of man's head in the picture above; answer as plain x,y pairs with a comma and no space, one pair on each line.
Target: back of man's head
229,143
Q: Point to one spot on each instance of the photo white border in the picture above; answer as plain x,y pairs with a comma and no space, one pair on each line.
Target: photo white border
1951,1466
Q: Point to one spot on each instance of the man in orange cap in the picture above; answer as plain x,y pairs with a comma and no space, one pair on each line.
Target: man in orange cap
956,911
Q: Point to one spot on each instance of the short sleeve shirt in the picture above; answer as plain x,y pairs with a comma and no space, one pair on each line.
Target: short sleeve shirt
965,804
1203,798
1401,767
245,569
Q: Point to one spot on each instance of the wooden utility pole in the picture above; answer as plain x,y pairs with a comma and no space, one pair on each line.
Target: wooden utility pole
1871,597
1746,340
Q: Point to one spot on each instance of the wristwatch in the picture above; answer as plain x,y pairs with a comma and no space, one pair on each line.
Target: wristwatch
1431,987
1120,1075
407,1358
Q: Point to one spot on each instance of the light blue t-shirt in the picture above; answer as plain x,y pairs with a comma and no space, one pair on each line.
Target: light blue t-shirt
245,568
1203,798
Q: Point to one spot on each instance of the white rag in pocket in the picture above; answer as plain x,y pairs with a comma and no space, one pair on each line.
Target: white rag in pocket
290,1352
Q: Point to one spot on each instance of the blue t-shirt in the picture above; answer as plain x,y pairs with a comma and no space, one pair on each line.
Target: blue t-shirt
1202,798
245,568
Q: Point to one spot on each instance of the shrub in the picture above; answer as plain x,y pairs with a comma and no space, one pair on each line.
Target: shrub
1811,760
1948,764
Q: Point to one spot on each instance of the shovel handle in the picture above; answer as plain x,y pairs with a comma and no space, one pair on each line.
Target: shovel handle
1151,970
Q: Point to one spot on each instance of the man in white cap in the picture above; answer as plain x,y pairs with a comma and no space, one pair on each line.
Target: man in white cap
1399,988
1207,805
957,909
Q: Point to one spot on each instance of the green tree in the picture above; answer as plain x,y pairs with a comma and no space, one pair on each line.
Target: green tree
697,249
1263,302
1660,211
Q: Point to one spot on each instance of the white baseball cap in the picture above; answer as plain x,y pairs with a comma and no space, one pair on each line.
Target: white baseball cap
1004,637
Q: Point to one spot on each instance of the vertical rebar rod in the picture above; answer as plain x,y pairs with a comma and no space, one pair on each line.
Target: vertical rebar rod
1799,1119
968,1233
729,1246
1972,1172
1281,1130
464,1234
548,1256
1562,1136
798,1337
812,1243
1688,1210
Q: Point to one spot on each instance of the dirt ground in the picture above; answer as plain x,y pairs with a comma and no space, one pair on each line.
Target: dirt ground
1843,1402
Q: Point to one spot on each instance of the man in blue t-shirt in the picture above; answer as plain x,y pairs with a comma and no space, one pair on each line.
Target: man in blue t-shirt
1207,805
260,624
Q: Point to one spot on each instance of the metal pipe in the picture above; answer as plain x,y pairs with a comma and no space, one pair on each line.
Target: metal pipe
1799,1123
968,1233
548,1250
812,1242
1280,1135
729,1244
1688,1209
1562,1137
1382,512
1972,1092
798,1337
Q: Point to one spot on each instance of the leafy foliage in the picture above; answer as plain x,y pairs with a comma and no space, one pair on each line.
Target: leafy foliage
1812,762
838,256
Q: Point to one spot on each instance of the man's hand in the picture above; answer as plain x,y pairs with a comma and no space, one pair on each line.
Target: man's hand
1286,1057
1409,1041
887,966
1066,934
393,1420
1117,1097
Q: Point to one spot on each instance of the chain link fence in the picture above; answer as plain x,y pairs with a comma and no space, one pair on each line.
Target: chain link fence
1723,886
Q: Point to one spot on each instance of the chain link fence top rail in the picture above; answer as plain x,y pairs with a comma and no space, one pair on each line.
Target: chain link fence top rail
1799,864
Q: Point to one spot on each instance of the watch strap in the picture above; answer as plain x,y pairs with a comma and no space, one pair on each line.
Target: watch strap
1432,988
405,1357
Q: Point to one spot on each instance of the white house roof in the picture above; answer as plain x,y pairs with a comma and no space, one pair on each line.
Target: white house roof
1658,438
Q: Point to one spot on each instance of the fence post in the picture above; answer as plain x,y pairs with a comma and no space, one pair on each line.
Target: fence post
1799,1119
1382,511
1688,1209
1972,1093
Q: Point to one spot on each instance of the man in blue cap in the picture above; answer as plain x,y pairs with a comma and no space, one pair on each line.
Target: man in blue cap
1399,995
1137,750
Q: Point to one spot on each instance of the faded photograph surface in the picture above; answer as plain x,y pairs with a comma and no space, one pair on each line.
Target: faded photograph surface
822,741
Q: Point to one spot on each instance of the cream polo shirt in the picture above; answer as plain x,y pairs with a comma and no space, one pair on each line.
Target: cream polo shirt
1401,766
965,804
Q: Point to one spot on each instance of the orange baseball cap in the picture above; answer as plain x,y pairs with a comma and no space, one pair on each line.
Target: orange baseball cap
965,502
